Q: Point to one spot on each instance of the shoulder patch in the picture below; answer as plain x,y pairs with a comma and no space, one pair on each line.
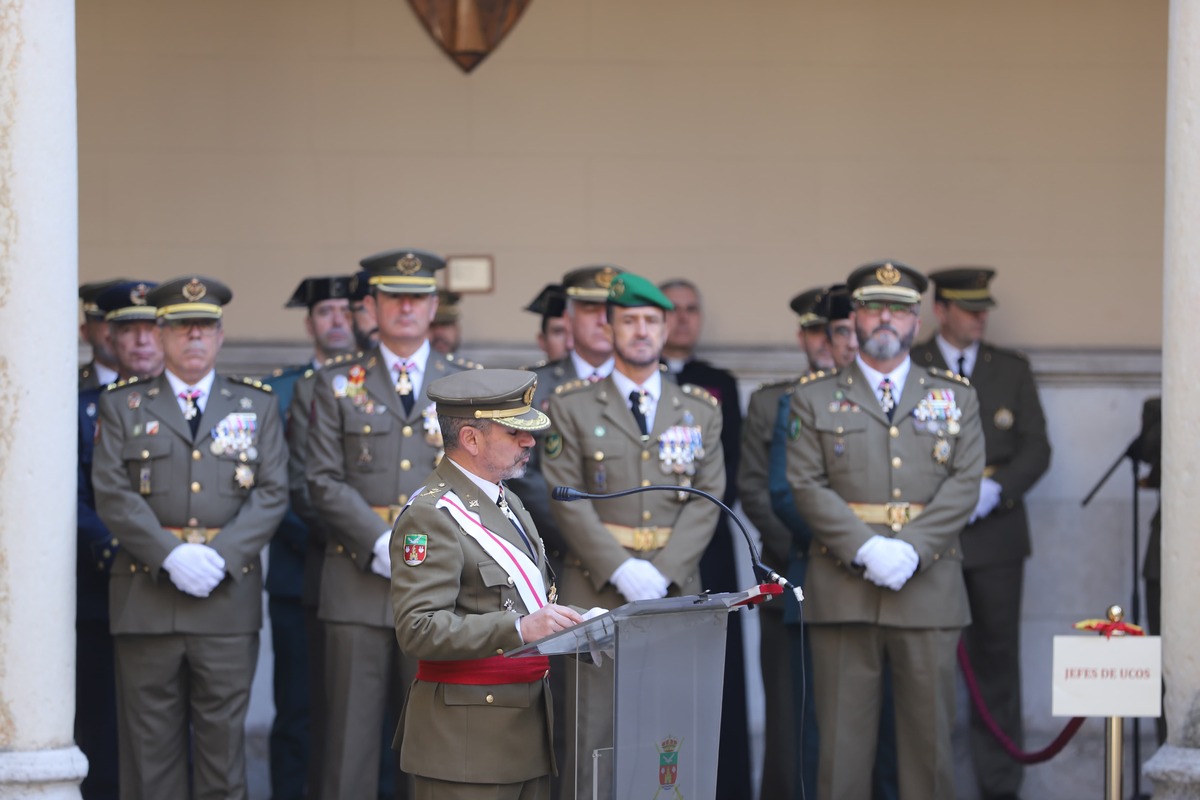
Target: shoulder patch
700,393
949,374
572,386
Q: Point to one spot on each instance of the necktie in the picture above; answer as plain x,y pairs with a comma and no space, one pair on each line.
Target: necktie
886,401
404,386
191,411
962,364
512,518
638,405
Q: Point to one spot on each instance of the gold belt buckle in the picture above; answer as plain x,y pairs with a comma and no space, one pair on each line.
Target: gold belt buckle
643,538
195,535
898,514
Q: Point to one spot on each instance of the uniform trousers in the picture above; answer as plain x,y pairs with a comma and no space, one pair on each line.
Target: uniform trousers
96,707
779,754
848,665
314,640
993,644
289,741
430,789
364,679
165,682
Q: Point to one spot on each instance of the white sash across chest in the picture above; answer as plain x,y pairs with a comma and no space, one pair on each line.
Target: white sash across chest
525,575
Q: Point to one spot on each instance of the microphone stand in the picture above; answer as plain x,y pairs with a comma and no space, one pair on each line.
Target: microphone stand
764,573
1135,603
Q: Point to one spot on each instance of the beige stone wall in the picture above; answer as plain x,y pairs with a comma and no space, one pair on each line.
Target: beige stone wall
758,146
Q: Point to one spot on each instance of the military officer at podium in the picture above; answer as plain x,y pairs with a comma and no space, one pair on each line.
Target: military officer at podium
373,438
630,429
470,581
190,475
885,467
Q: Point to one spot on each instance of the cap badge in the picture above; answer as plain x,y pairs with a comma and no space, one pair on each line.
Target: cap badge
409,264
604,277
528,398
194,290
887,275
137,295
618,288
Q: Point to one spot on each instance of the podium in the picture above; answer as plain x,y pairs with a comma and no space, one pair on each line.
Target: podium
649,716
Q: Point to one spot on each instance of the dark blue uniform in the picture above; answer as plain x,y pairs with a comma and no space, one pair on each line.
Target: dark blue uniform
95,677
290,735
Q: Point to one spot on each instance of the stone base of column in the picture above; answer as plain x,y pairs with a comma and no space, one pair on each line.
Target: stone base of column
44,774
1175,772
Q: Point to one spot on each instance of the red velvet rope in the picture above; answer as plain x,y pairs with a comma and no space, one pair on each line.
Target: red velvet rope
1017,754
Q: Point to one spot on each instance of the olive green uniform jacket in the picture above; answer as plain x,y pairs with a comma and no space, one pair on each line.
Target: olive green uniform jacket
458,603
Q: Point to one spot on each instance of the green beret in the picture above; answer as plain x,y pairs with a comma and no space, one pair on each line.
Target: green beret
629,290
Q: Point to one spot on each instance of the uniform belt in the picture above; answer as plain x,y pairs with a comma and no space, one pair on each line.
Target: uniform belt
639,538
194,535
989,470
388,513
485,671
894,515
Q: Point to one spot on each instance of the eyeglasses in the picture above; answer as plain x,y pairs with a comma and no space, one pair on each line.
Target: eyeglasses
840,333
206,327
895,309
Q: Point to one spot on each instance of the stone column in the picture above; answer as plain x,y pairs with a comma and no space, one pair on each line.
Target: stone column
1175,768
39,235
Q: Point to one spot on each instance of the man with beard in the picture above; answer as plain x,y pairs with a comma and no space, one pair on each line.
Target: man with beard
137,350
366,330
631,429
191,476
328,324
995,542
885,467
102,369
374,431
470,581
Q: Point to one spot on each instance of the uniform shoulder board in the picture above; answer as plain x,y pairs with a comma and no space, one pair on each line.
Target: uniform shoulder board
538,365
257,384
991,349
817,375
949,375
465,363
121,384
774,384
572,386
700,393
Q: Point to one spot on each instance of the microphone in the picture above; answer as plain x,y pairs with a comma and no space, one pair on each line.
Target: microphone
764,573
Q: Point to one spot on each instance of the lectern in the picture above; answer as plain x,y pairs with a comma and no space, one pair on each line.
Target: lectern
662,663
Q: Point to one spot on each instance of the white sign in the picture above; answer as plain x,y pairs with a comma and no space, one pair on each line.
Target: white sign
1095,676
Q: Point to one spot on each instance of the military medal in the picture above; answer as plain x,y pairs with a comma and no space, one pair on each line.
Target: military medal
404,385
144,479
433,431
839,446
1003,419
244,476
216,447
190,410
135,400
952,427
683,497
152,428
91,409
364,456
507,605
246,403
643,403
599,430
340,384
941,451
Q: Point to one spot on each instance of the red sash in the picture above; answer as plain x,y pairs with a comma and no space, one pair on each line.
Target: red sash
484,671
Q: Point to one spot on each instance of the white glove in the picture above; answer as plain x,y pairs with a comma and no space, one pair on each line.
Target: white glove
638,579
889,562
381,564
195,569
989,498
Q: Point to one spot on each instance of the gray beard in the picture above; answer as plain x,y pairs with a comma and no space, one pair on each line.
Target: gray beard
885,349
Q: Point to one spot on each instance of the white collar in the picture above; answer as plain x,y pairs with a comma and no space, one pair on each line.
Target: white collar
105,375
652,387
584,370
204,385
417,359
951,353
491,490
897,376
